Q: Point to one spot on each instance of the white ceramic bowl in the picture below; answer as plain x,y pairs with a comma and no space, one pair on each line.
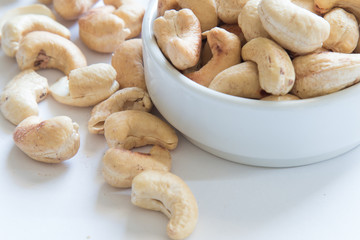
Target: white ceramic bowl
253,132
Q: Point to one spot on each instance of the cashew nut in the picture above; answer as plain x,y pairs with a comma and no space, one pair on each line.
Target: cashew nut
51,141
293,27
204,10
178,35
229,10
235,29
241,80
132,14
86,86
169,194
101,30
125,99
287,97
344,31
323,73
324,6
164,5
17,27
40,49
128,63
47,2
120,166
132,128
72,9
21,95
276,72
225,48
307,4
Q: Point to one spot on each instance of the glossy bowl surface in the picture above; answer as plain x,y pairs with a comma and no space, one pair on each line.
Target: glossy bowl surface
252,132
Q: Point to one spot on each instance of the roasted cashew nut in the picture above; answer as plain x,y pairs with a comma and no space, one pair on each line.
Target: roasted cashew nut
169,194
132,14
39,49
72,9
287,97
21,95
125,99
164,5
51,141
17,27
229,10
132,128
178,35
324,6
86,86
120,166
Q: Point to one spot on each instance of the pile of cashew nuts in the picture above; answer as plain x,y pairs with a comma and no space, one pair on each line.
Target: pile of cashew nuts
271,50
117,92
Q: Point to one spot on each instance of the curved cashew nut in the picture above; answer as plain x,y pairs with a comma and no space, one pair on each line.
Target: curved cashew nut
101,30
241,80
287,97
86,86
128,63
323,73
21,95
229,10
276,72
169,194
344,31
16,28
120,166
204,10
293,27
125,99
36,8
225,48
132,14
132,128
178,35
39,49
72,9
164,5
324,6
51,141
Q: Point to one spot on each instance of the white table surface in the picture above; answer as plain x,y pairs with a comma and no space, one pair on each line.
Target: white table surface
72,201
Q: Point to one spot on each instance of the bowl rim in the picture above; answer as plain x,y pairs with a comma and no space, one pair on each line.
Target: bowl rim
149,42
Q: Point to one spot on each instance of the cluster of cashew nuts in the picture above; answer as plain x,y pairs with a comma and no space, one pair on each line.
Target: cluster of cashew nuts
263,49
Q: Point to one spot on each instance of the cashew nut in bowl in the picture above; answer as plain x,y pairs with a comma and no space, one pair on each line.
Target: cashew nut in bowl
287,97
229,10
318,74
132,14
51,141
131,98
86,86
132,128
178,35
235,29
164,5
128,63
40,49
324,6
21,95
120,166
344,31
72,9
101,30
293,27
225,48
276,71
17,27
165,192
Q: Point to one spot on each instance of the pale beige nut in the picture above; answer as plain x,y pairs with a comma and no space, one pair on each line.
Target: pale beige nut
21,95
86,86
72,9
40,49
323,73
178,35
293,27
276,72
132,98
229,10
127,60
225,48
164,5
120,166
344,31
36,8
51,141
17,27
132,128
307,4
324,6
287,97
101,30
169,194
205,11
132,14
117,3
241,80
249,21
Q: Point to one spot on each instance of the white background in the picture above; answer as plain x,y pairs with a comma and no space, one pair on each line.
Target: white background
72,201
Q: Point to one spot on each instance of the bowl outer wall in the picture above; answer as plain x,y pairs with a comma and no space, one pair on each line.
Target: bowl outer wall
261,133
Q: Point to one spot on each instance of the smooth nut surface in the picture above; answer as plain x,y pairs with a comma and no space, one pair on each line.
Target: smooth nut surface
229,10
132,14
72,9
